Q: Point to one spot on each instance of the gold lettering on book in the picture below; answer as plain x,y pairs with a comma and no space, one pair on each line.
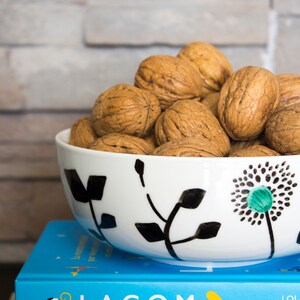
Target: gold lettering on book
94,251
108,251
80,247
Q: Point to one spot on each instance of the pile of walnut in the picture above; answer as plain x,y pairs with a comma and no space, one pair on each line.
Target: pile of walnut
195,105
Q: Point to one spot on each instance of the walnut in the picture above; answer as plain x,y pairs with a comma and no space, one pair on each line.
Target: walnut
214,68
169,78
255,150
240,145
188,118
121,143
125,109
82,133
150,139
282,131
246,101
188,146
211,101
289,86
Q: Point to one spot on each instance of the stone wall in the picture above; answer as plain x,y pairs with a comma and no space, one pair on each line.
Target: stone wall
56,56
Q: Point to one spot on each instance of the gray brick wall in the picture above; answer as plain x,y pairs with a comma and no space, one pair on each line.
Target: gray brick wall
57,56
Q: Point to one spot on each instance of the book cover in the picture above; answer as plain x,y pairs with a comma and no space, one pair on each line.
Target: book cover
68,264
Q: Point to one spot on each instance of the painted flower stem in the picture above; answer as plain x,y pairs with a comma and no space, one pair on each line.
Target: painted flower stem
167,231
97,225
191,238
270,229
94,216
154,208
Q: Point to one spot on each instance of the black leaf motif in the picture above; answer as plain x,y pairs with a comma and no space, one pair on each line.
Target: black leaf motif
108,221
96,234
298,238
207,230
95,187
77,188
150,231
139,168
191,198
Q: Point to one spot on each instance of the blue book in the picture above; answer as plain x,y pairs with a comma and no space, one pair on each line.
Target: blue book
69,264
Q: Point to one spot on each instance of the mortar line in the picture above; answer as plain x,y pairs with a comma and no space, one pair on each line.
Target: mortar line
268,57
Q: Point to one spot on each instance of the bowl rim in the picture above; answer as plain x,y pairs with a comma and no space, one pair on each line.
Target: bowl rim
62,136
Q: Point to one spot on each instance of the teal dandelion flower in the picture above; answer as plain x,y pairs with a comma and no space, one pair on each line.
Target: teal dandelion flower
260,199
262,193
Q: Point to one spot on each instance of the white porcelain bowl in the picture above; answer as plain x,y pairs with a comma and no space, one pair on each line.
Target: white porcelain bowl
189,211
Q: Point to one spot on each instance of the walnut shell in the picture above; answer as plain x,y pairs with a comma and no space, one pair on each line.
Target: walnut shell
150,139
125,109
214,68
82,133
188,118
255,150
282,131
188,146
169,78
240,145
289,86
211,101
246,101
121,143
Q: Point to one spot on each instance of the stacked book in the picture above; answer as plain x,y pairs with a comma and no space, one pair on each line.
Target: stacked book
68,264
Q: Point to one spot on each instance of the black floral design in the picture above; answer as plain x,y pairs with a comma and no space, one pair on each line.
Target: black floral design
94,192
190,199
262,192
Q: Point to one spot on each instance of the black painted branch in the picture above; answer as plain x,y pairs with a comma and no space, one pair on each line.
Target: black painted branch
184,240
154,208
269,223
96,223
94,216
167,231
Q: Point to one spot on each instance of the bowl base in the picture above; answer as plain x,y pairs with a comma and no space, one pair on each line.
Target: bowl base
208,266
